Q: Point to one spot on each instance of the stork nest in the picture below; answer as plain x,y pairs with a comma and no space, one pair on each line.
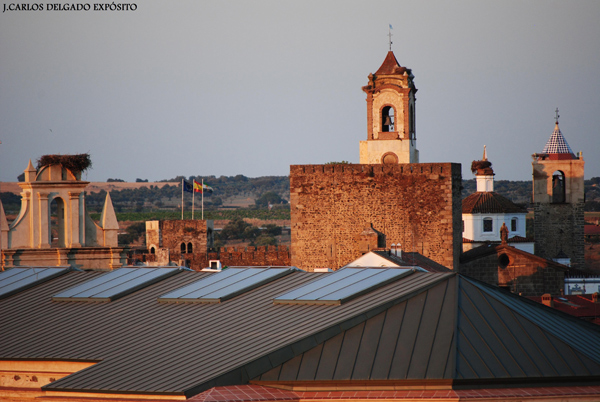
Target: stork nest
75,163
480,165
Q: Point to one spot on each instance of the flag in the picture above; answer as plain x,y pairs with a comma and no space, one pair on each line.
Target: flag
202,188
187,186
391,26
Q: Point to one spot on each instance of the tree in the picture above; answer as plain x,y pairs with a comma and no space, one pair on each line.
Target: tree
269,197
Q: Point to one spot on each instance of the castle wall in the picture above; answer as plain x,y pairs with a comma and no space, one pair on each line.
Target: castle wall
416,205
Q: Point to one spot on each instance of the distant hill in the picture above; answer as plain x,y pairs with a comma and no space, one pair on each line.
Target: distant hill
241,191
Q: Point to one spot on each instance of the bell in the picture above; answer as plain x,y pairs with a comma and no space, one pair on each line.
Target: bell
388,121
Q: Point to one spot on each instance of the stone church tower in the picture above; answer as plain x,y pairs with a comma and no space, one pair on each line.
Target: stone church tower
340,212
391,133
558,200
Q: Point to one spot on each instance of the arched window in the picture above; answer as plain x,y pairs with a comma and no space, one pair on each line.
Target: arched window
488,225
387,119
189,248
182,247
514,224
558,187
152,250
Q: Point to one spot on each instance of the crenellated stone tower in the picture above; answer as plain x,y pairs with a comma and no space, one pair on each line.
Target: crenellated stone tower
391,131
558,201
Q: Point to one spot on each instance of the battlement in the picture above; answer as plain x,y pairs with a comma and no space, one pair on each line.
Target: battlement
405,169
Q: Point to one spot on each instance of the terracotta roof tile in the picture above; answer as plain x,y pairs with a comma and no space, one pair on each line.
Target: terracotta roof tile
489,203
390,65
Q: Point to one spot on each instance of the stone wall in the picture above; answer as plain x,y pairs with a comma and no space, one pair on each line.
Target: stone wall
237,256
519,272
197,232
560,227
416,205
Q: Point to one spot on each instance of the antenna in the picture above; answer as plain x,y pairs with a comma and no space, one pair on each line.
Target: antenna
390,36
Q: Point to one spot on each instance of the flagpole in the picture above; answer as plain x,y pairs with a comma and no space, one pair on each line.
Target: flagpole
202,198
181,199
193,197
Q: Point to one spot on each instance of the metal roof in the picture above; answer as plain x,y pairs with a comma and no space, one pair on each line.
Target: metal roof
460,329
423,326
178,348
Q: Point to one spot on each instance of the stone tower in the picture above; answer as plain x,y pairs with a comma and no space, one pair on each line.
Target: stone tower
558,200
391,133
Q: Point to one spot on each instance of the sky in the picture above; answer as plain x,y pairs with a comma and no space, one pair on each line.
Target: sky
234,87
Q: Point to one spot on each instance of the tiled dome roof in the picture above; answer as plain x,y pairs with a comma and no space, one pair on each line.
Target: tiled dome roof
557,143
489,203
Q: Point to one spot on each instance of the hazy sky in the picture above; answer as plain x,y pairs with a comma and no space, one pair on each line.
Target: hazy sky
251,87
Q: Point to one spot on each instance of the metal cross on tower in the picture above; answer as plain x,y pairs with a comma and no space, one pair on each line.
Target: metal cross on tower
390,36
556,116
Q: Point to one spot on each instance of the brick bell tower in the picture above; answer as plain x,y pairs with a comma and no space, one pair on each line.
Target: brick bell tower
558,200
391,133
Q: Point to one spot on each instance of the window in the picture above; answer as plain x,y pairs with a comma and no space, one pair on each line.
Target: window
513,224
115,284
488,225
152,250
224,285
182,248
342,285
189,248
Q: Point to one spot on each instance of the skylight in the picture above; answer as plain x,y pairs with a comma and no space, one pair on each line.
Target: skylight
17,279
115,284
342,285
224,285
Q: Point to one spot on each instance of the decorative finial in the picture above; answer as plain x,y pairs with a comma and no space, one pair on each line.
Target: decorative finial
390,36
556,116
484,154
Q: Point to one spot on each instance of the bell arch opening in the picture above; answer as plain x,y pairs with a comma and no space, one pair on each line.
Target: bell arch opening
558,187
387,119
56,224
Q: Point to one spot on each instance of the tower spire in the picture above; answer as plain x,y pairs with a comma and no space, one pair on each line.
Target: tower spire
556,116
390,36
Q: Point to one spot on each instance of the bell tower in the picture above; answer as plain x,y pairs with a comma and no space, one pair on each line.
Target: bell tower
391,132
558,200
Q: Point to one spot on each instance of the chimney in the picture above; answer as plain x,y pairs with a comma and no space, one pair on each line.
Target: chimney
595,298
547,300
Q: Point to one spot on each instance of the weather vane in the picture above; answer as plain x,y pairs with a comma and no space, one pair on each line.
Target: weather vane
556,116
390,35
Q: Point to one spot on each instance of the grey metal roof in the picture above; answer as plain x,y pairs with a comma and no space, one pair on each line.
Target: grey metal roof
149,347
460,329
